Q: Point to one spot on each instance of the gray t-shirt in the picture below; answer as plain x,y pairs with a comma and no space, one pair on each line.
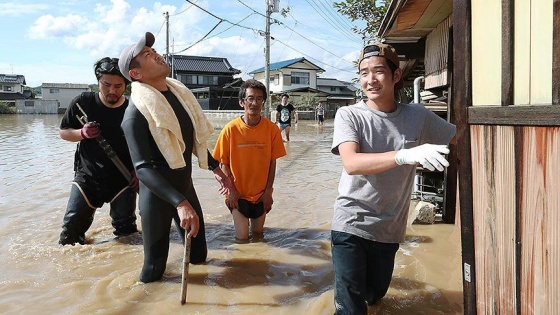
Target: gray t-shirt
375,207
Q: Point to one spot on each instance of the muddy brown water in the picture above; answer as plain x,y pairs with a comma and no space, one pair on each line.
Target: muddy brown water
289,272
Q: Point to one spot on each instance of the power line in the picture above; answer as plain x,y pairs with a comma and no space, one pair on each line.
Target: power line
317,60
198,41
328,6
328,20
224,20
186,9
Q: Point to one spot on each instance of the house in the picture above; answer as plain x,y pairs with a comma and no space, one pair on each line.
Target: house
500,64
211,79
64,93
12,89
340,94
297,77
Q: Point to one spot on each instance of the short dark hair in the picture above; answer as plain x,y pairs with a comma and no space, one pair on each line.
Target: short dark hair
285,94
252,83
108,65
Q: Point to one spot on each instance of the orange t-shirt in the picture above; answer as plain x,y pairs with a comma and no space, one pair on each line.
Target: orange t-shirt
248,150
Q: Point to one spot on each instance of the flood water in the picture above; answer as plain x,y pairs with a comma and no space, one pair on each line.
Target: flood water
289,272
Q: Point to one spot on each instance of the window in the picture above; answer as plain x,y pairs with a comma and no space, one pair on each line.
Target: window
8,88
29,103
300,78
192,79
333,89
54,91
207,80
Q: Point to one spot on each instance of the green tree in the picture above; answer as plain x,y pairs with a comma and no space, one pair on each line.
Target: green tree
5,108
369,11
307,102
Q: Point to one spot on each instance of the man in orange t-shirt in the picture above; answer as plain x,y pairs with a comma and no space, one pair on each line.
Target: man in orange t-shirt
247,149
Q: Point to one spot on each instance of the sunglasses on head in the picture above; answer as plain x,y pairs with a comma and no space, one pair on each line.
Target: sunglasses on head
108,65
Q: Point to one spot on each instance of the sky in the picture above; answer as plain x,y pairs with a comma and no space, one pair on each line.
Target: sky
53,41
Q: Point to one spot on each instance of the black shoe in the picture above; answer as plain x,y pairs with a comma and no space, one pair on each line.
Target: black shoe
126,230
67,240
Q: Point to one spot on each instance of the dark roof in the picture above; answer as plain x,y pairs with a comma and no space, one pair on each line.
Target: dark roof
11,96
302,90
198,64
12,78
285,64
345,87
331,82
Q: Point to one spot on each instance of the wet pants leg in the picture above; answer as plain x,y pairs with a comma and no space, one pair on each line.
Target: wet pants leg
157,216
77,220
362,271
122,212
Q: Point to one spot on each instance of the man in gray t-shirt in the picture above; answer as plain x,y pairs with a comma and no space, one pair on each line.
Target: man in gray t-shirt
380,143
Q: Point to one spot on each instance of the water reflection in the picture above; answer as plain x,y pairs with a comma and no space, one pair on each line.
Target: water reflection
288,272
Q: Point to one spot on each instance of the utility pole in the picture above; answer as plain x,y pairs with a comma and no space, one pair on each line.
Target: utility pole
166,14
271,6
267,58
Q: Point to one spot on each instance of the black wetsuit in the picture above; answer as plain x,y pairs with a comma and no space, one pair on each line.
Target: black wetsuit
162,189
97,180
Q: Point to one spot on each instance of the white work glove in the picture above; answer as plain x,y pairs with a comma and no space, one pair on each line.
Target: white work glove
429,155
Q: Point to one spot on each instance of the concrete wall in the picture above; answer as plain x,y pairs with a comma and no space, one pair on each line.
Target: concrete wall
37,106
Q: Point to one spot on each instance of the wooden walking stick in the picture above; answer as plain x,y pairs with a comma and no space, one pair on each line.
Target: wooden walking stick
186,262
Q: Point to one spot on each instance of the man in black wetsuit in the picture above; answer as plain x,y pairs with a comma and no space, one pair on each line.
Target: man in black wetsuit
164,125
97,179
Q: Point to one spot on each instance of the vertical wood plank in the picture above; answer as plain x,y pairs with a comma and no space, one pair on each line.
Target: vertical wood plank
461,99
522,38
494,218
508,70
540,221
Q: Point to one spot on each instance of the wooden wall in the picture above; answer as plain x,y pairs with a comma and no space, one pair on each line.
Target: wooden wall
506,92
436,56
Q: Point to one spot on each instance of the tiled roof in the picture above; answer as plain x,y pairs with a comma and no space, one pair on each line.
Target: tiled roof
285,64
12,78
330,82
199,64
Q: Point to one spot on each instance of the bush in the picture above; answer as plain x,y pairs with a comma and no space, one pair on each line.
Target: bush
6,109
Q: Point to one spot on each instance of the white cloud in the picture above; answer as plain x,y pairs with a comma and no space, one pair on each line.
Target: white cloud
17,9
48,26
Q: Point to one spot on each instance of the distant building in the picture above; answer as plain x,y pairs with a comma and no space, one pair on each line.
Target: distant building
341,93
211,79
296,75
12,88
299,78
63,93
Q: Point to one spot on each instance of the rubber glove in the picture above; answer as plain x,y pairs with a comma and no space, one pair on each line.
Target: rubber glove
90,130
134,181
428,155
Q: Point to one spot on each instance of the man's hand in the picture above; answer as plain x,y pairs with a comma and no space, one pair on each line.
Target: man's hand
224,181
90,130
232,199
267,200
188,219
428,155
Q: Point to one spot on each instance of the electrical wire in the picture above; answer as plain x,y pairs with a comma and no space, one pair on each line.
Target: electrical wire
317,60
